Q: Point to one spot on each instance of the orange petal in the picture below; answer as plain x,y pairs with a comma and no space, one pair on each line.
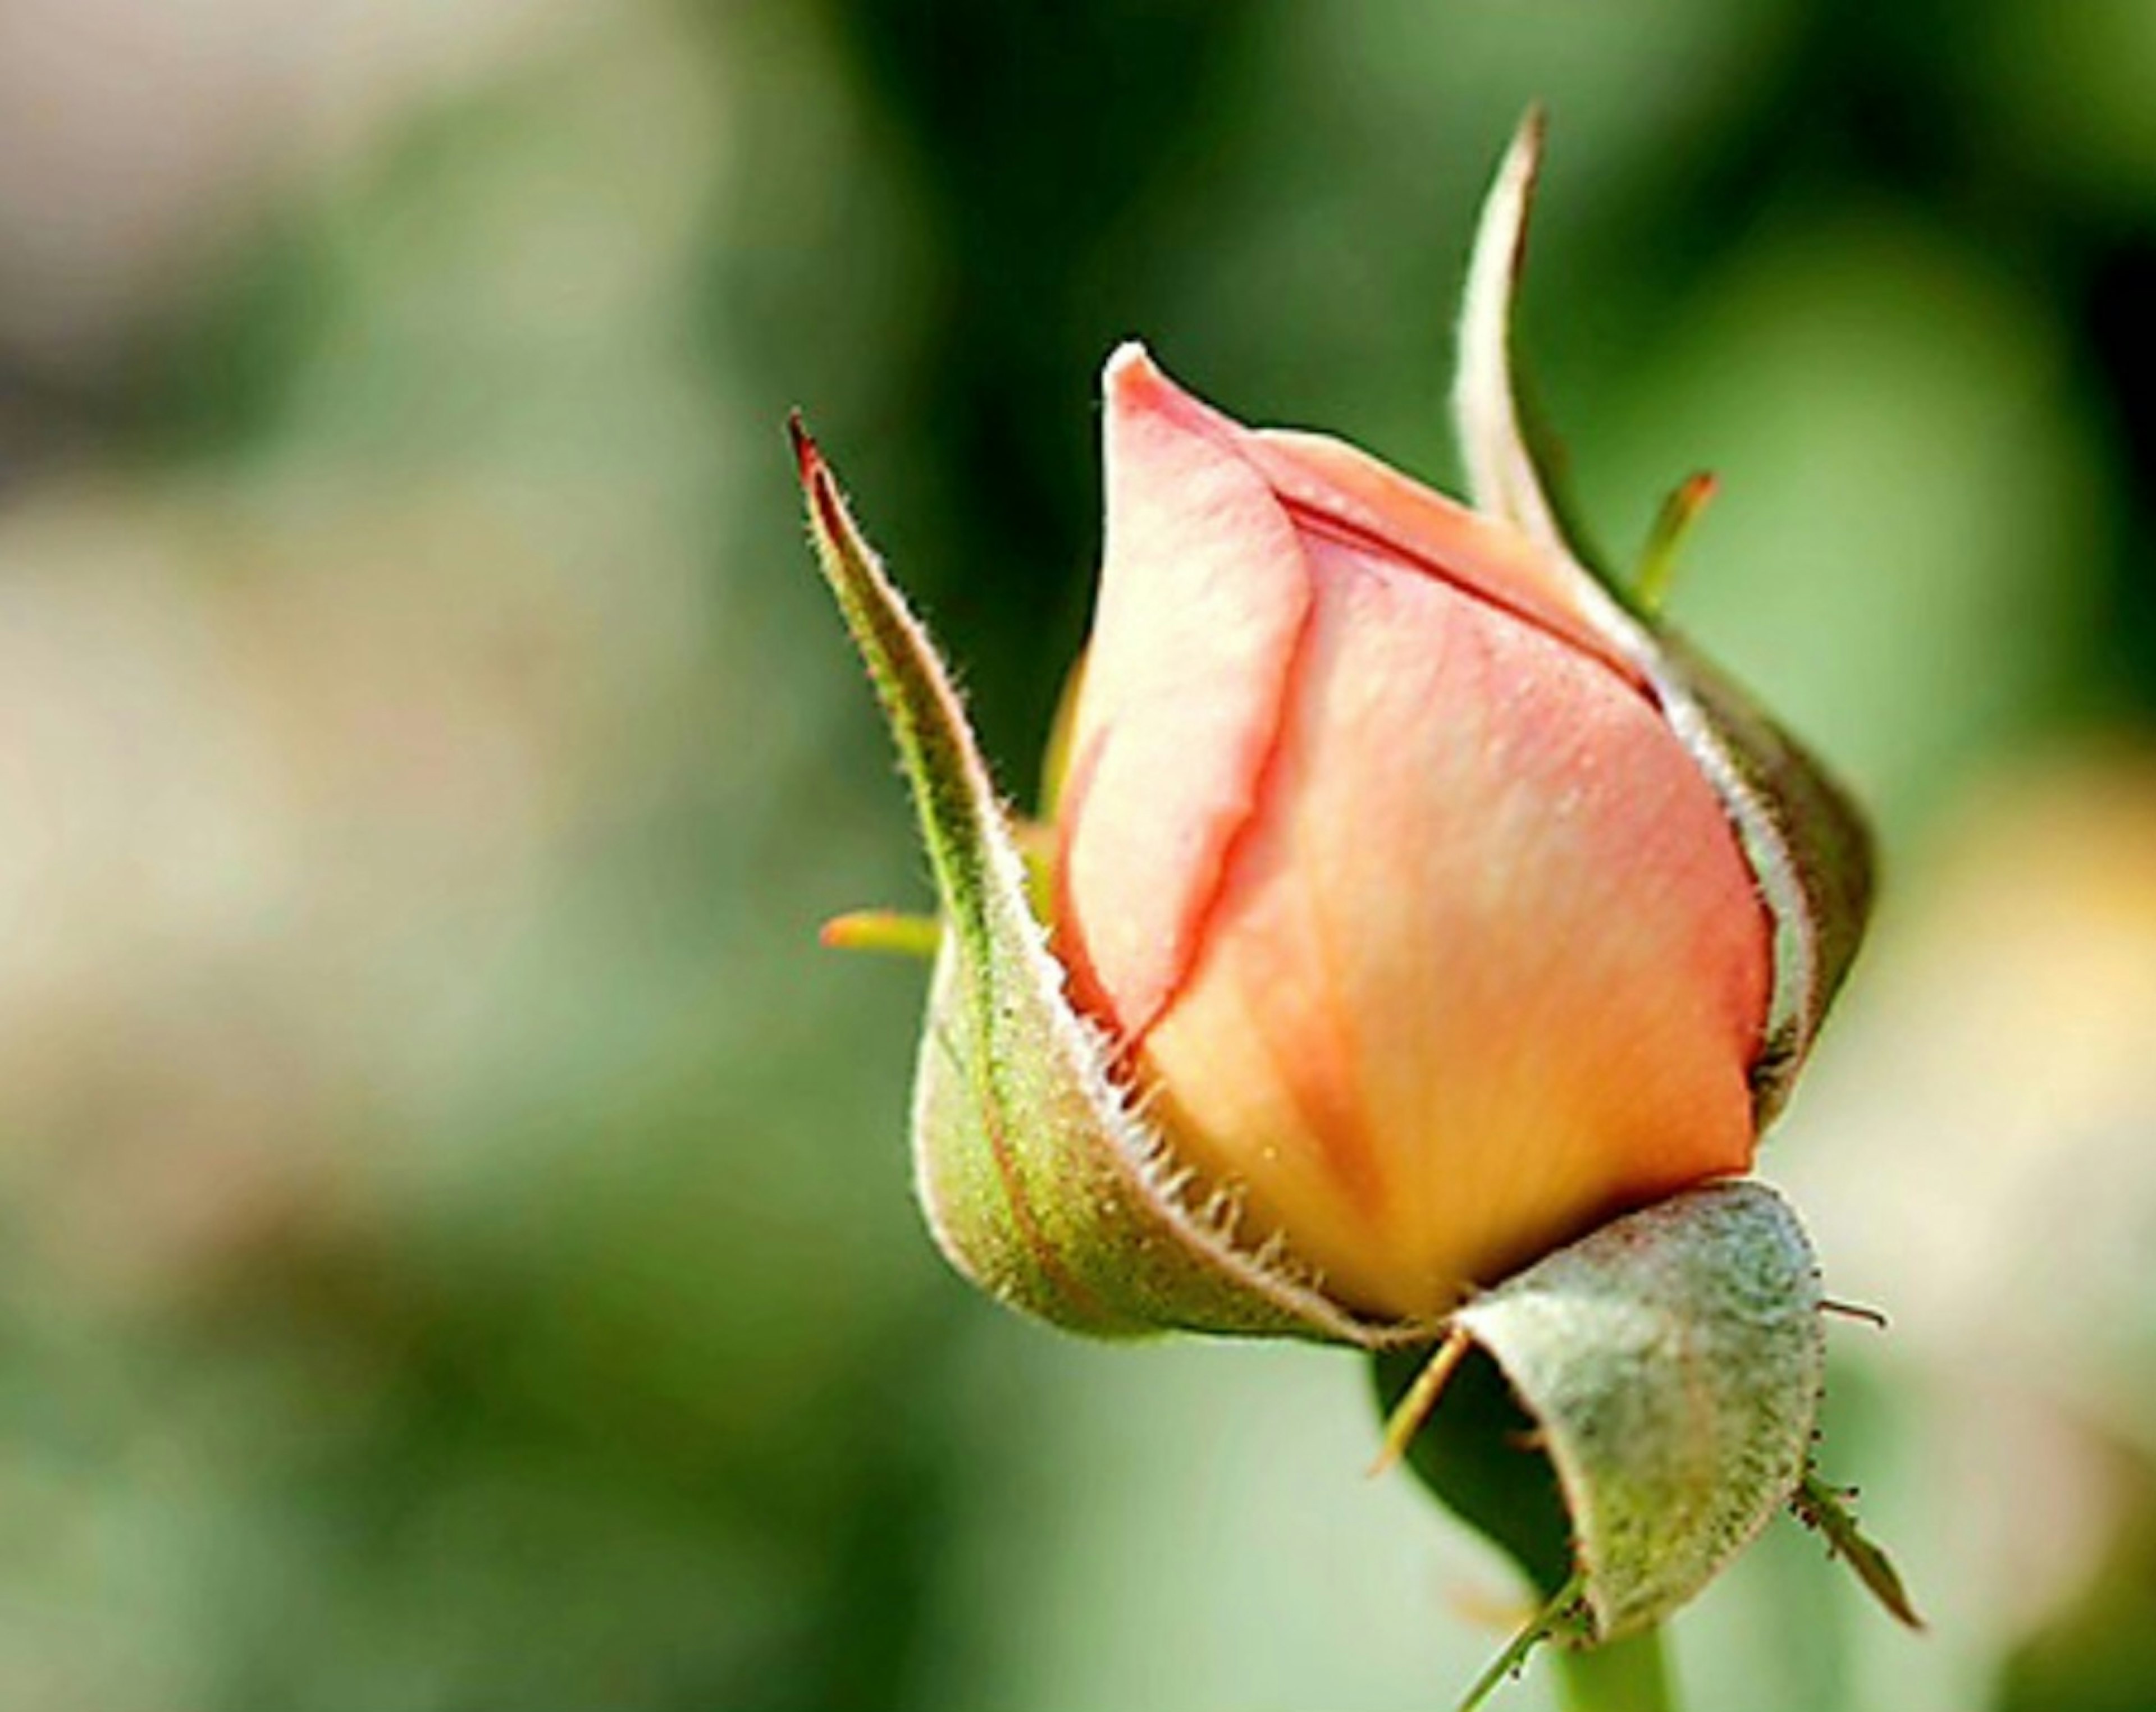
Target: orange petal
1341,490
1203,594
1487,966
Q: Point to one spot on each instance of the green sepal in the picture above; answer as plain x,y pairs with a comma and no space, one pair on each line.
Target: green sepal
1040,1181
1808,848
1825,1511
1829,855
1673,522
892,933
1644,1405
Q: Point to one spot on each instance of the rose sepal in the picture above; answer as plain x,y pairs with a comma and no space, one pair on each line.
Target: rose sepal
1808,846
1668,1366
1040,1181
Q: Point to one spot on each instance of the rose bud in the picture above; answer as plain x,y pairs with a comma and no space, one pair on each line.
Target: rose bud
1406,911
1414,905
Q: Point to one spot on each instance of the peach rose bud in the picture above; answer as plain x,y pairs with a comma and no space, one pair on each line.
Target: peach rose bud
1409,914
1422,938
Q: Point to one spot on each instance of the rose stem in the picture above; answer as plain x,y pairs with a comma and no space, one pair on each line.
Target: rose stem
1627,1675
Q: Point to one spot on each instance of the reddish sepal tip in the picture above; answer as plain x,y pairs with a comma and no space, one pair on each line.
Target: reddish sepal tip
807,460
1698,488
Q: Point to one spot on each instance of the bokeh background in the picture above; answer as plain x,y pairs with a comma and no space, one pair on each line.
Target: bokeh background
457,1245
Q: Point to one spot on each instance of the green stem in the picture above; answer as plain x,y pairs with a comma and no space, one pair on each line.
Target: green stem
1630,1675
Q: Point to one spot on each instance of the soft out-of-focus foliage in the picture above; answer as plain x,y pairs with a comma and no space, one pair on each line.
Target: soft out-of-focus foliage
458,1248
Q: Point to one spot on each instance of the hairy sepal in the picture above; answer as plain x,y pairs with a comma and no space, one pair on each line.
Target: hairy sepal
1808,848
1040,1181
1660,1380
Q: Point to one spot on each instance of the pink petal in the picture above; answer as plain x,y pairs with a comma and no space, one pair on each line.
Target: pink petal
1486,967
1203,596
1342,491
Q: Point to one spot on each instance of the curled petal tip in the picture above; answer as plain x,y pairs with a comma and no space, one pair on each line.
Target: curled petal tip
1134,388
1131,354
1131,378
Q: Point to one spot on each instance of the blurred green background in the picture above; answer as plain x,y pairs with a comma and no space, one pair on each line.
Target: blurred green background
458,1248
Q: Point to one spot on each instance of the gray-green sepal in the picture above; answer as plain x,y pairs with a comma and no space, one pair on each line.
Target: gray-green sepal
1660,1382
1039,1180
1808,848
1817,831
